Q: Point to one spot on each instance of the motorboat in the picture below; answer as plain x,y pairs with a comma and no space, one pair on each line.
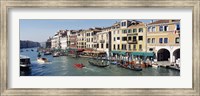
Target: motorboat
42,60
79,65
47,53
56,54
24,61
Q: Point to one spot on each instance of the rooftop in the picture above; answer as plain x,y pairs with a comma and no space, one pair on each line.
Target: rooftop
163,21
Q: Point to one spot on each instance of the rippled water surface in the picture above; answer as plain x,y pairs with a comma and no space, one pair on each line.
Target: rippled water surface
63,66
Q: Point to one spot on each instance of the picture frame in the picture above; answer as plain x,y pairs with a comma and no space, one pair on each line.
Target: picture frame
4,46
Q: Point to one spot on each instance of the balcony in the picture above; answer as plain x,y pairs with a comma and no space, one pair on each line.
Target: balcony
135,33
132,42
102,41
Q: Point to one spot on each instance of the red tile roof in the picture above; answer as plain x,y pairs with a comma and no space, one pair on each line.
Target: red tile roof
162,21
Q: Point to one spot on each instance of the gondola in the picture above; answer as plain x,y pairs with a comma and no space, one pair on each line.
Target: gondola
95,62
134,68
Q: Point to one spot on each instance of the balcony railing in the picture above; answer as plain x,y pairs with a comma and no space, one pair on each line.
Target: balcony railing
131,42
135,33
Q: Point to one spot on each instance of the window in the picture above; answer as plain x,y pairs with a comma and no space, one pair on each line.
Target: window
117,31
97,45
140,47
118,38
134,47
129,46
149,29
114,32
129,30
123,23
149,40
140,38
114,46
123,46
134,30
101,36
106,45
153,40
91,39
114,38
161,28
140,29
165,28
129,38
118,47
154,29
160,40
101,45
124,31
124,38
177,40
177,26
134,38
165,40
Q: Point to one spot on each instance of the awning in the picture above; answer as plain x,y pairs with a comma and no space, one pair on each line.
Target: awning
142,54
122,53
137,53
148,54
116,52
80,50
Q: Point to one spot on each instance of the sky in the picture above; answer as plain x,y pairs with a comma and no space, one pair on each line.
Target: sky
39,30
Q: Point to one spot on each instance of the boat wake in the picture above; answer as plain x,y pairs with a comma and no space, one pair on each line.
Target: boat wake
90,69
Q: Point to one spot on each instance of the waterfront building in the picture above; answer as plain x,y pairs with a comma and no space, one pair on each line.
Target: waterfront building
63,39
91,37
73,39
103,40
130,37
55,42
163,38
81,39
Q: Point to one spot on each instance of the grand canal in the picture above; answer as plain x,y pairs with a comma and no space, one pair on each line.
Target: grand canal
63,66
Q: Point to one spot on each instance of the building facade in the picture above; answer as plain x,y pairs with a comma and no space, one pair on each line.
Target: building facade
73,39
130,37
103,40
163,38
81,39
63,39
91,37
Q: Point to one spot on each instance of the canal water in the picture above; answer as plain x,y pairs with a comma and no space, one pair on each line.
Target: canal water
63,66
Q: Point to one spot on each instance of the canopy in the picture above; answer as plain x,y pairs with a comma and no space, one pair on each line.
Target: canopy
142,54
116,52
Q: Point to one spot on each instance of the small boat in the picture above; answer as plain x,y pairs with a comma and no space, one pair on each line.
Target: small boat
24,61
42,60
114,63
155,65
56,54
98,63
79,65
32,50
134,68
47,53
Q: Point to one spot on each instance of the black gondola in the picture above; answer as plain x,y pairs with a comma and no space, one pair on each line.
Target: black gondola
96,63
